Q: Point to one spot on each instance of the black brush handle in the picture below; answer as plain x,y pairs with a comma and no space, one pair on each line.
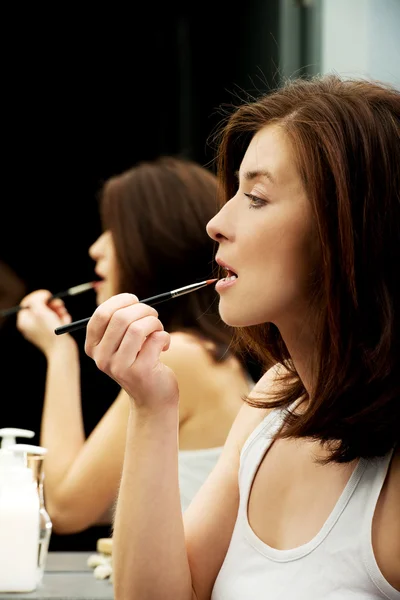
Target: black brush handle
11,311
72,326
83,322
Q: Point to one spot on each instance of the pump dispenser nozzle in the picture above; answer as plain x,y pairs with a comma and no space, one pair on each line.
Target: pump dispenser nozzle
14,460
20,453
8,435
28,449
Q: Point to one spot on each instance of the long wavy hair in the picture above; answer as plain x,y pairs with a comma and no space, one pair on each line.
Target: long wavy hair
345,135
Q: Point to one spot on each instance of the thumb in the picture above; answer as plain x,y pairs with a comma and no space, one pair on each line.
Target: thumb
156,342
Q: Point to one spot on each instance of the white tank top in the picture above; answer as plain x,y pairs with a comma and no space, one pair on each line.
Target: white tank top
337,564
194,468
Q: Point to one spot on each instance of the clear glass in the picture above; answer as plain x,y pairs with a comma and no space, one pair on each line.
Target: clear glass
35,462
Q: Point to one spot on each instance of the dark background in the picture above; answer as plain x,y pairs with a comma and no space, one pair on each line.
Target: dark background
85,96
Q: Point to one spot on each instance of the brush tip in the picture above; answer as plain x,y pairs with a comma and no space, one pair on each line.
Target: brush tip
208,281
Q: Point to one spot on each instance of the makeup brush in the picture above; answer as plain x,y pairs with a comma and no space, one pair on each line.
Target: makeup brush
72,291
150,301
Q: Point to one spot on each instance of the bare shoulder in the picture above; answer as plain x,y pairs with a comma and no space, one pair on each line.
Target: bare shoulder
185,348
189,358
386,525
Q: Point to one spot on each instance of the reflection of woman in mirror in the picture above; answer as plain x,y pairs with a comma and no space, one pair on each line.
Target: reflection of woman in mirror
154,240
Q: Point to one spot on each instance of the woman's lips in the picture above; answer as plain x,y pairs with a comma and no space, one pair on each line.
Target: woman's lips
225,283
230,278
230,270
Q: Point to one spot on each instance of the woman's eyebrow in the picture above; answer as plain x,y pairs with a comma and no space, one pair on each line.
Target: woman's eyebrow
250,175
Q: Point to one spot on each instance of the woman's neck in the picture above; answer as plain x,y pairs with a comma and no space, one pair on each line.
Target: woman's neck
301,344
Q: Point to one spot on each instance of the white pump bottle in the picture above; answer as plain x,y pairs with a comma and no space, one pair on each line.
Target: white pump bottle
8,435
19,519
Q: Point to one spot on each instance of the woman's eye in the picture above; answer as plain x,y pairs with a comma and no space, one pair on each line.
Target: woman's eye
255,202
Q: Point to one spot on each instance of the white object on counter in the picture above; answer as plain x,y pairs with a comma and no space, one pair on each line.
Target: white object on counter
19,521
101,565
35,461
103,571
8,435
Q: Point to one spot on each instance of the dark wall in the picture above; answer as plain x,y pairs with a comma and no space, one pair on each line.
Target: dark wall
86,96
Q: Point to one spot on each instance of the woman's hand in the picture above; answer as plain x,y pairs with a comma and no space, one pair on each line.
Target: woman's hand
125,339
38,322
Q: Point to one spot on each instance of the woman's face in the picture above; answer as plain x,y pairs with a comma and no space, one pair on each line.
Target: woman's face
103,253
266,236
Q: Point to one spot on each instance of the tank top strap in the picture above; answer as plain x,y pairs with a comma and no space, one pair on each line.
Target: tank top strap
254,449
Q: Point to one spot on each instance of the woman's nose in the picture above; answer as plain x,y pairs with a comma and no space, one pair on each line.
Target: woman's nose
95,249
216,228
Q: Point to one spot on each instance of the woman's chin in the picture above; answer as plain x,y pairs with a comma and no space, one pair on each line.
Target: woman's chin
239,317
233,318
101,294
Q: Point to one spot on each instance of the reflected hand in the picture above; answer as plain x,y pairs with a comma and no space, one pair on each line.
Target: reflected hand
38,321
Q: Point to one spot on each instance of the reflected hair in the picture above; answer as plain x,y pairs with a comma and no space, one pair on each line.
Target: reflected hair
157,212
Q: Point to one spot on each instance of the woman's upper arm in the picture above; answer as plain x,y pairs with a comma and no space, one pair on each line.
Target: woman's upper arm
210,519
92,482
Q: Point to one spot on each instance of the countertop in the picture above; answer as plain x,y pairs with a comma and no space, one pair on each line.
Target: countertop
67,577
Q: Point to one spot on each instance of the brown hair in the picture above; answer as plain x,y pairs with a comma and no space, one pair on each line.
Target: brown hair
346,139
157,212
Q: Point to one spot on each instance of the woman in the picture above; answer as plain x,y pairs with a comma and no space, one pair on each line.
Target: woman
154,217
304,501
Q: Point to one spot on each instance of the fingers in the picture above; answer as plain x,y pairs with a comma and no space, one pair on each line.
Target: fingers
131,331
132,344
58,306
125,339
39,310
41,306
111,320
147,361
38,321
102,316
36,298
41,300
149,355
